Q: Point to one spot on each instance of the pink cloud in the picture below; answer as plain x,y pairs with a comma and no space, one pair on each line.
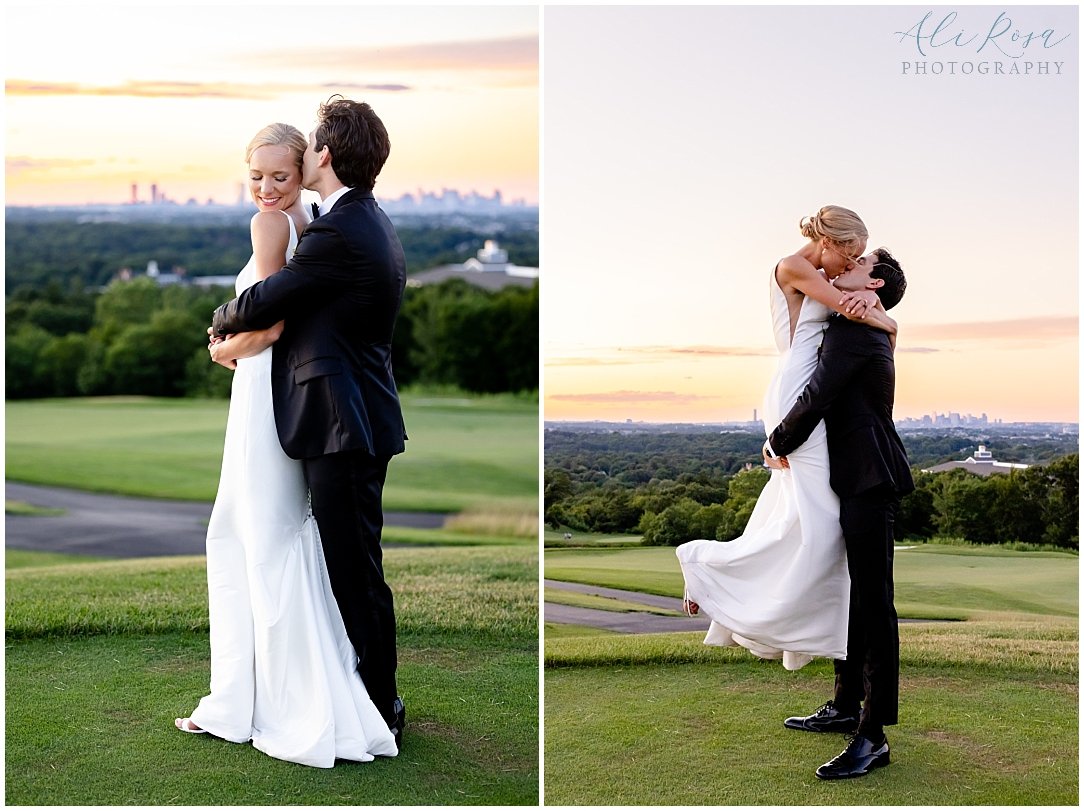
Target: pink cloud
1015,329
174,89
626,396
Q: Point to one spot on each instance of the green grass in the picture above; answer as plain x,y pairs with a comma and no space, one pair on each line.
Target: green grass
21,508
932,582
100,657
556,630
712,734
555,538
22,558
989,705
463,451
575,598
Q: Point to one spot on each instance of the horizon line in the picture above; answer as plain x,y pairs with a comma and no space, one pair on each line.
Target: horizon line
761,422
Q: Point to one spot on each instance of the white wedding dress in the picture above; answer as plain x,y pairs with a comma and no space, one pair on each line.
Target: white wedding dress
283,671
781,589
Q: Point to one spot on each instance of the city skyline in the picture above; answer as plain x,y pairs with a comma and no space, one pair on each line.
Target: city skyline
952,419
659,257
160,196
457,88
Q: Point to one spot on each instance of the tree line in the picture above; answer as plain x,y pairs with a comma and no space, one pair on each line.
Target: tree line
137,337
601,483
39,252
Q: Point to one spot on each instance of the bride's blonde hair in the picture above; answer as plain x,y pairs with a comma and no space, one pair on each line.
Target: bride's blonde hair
841,225
279,135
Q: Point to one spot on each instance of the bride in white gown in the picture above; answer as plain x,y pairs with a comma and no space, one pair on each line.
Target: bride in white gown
781,589
283,672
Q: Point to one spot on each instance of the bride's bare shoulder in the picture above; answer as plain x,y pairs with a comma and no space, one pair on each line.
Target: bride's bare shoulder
791,269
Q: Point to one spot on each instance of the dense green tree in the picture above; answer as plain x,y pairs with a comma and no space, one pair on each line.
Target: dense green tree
915,517
557,486
125,304
22,368
1036,505
52,308
744,491
204,378
152,358
60,362
675,525
514,319
1056,488
65,278
457,334
91,379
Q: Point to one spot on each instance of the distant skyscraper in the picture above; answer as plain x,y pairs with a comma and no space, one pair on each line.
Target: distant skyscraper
154,193
135,194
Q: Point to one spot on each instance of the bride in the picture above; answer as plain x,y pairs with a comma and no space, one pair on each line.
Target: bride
283,672
781,589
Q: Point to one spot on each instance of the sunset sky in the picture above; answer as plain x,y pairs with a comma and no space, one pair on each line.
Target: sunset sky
683,145
100,97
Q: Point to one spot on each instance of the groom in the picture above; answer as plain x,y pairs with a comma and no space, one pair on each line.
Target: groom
335,401
852,389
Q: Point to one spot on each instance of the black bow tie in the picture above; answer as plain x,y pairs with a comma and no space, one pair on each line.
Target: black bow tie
315,210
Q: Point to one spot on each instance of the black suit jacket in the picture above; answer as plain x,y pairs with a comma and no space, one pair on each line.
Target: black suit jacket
852,389
331,374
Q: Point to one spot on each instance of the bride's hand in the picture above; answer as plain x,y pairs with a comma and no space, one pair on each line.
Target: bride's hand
774,462
857,303
218,352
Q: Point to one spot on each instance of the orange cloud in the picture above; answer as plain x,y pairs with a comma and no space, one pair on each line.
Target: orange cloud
702,351
172,89
630,355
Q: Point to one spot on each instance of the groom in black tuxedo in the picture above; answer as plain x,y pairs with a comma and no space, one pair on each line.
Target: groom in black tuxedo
852,390
335,401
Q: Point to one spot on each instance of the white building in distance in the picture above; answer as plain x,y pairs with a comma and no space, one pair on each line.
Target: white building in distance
981,463
489,269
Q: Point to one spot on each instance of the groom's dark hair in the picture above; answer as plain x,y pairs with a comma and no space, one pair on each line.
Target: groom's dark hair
889,269
358,140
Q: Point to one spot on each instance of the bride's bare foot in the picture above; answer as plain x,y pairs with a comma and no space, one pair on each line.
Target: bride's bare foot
186,725
691,608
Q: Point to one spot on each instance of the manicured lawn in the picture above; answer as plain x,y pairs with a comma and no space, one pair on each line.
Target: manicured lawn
946,582
555,538
100,657
462,452
693,734
989,705
573,598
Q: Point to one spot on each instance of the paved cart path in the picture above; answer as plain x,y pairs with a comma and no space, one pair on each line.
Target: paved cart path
110,526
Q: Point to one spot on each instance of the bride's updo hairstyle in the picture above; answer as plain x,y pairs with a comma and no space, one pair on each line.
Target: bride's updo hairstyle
841,225
279,135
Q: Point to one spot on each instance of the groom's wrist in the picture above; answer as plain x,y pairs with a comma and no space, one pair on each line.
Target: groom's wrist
217,321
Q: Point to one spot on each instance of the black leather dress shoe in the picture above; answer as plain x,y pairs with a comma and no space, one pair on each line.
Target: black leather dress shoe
860,757
826,719
399,725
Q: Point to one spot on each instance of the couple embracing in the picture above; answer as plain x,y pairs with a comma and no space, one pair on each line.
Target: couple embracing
303,653
812,573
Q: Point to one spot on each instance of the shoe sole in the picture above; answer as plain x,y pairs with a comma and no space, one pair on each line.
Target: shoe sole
876,764
850,730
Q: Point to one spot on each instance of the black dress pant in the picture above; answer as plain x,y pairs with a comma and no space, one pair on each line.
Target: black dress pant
346,491
870,676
